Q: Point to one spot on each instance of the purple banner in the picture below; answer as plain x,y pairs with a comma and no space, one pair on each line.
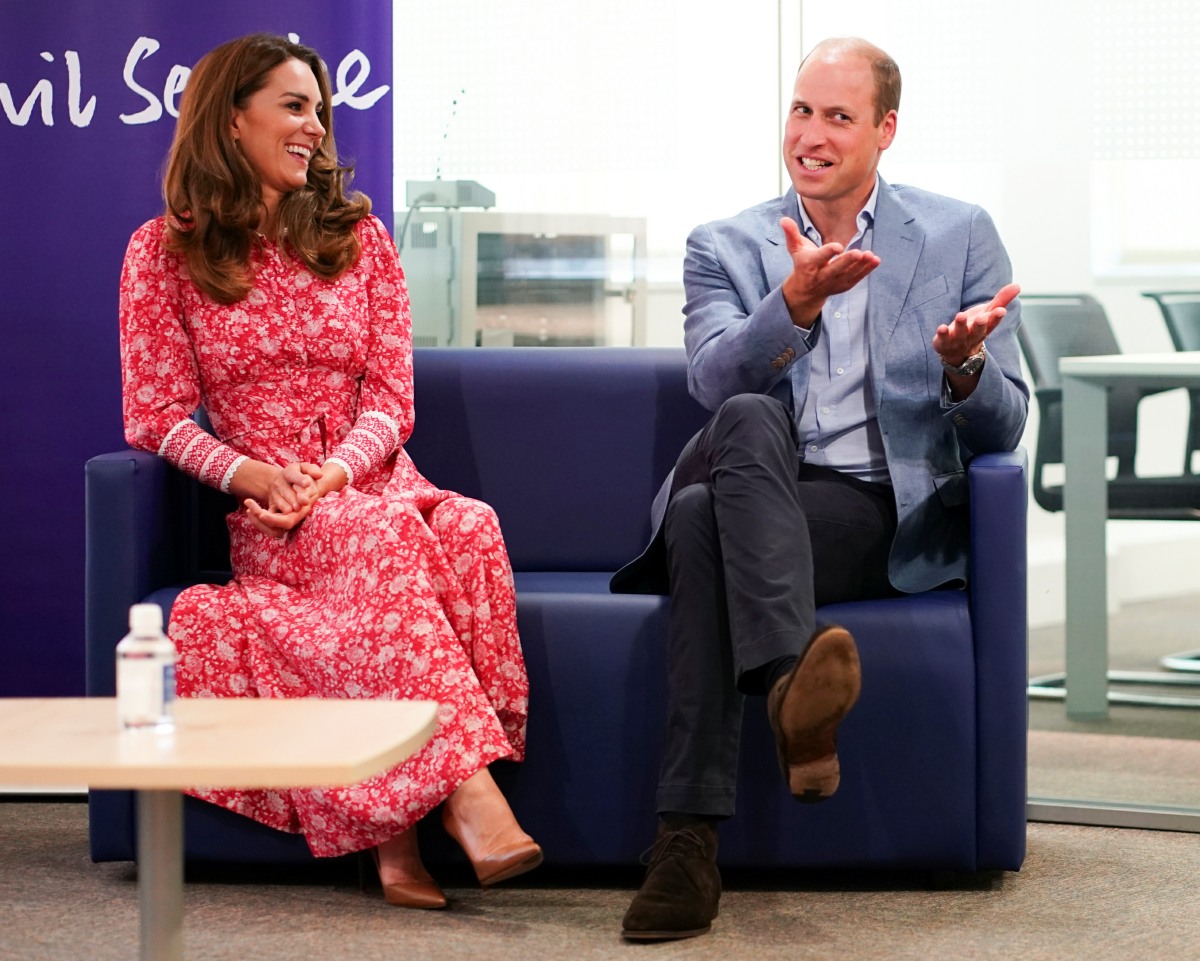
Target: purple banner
88,99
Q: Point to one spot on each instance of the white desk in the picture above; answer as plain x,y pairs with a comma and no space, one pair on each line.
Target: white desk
242,743
1085,502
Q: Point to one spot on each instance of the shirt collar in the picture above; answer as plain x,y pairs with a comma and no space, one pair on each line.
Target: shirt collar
865,219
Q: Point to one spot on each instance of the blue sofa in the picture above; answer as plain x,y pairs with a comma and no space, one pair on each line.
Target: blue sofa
569,445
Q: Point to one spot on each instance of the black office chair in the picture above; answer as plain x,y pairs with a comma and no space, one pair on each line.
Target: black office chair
1074,325
1181,311
1054,326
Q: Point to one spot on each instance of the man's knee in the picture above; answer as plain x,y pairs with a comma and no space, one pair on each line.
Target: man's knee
753,408
751,405
753,411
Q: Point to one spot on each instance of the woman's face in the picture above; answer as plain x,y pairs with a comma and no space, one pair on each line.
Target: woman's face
278,130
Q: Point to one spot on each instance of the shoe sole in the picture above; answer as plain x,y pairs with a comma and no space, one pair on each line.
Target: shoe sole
665,935
513,870
821,691
419,900
504,867
421,895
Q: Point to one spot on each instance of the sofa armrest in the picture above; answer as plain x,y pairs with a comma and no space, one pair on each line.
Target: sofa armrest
998,587
131,549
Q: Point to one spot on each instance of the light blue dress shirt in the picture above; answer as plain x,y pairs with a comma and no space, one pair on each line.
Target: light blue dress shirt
837,424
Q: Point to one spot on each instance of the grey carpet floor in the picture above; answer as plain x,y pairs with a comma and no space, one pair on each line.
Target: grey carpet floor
1138,634
1084,893
1115,768
1138,755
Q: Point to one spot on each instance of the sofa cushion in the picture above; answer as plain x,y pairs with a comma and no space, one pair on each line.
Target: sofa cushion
600,427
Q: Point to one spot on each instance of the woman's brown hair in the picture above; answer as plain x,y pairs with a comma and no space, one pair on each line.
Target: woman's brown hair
213,194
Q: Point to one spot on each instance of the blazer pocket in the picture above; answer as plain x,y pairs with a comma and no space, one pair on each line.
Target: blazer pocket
930,290
952,488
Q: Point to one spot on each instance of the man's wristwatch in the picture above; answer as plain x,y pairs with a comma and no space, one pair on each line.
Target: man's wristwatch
969,367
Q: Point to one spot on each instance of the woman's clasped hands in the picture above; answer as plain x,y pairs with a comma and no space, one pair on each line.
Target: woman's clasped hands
290,494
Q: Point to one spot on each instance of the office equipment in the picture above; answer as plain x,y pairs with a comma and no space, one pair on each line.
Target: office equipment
447,193
523,279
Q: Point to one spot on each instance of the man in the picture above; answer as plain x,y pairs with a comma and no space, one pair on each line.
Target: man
838,333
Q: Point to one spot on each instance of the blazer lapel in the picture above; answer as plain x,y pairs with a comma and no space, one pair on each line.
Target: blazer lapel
776,261
898,241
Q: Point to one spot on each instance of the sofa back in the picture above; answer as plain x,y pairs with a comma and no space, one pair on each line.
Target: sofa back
569,445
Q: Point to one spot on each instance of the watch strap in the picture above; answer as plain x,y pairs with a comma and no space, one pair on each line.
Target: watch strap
969,367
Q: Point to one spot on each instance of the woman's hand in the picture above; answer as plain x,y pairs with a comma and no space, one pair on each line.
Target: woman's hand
330,477
291,495
293,487
272,522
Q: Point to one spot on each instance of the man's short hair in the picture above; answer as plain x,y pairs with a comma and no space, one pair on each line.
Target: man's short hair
883,68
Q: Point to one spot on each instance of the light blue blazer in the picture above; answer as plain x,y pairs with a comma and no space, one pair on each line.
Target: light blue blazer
938,256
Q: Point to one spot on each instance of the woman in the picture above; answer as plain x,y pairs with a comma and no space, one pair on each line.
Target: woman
271,298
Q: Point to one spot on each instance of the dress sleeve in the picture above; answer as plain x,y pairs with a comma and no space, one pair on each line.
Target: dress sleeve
160,383
385,418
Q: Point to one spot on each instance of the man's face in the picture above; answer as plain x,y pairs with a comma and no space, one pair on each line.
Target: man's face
831,143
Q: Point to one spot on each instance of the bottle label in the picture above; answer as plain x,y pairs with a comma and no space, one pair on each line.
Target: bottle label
145,690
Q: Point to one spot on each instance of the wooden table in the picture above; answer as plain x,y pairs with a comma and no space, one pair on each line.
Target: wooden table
235,743
1085,381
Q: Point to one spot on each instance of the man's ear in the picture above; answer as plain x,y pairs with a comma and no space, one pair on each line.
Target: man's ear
887,130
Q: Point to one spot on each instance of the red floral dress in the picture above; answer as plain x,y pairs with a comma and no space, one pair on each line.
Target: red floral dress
390,588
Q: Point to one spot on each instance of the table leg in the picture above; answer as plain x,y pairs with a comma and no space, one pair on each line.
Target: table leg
1085,506
160,874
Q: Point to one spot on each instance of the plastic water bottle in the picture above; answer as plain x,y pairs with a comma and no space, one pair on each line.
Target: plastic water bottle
146,672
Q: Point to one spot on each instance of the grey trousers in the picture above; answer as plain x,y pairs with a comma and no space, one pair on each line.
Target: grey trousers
755,541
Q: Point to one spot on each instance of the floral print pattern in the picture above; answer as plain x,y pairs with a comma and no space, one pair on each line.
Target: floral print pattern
391,588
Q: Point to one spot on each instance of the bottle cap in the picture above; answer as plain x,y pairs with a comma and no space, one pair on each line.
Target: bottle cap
145,619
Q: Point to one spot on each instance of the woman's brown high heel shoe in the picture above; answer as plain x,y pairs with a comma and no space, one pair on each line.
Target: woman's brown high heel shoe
410,893
512,853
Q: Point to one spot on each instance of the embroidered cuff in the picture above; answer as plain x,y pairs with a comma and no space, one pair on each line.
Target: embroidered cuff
373,439
228,478
200,455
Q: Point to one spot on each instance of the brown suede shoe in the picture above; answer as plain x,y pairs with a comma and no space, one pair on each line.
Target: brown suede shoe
805,708
679,895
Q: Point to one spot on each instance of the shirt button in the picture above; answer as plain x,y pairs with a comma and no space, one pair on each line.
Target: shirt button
837,313
824,410
813,448
840,370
